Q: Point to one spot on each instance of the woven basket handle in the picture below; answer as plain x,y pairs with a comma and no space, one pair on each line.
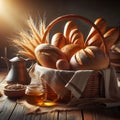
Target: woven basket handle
69,16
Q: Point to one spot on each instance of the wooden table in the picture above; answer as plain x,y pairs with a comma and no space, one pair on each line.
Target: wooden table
11,110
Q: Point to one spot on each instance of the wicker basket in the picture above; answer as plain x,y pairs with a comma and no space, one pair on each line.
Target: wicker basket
95,84
94,87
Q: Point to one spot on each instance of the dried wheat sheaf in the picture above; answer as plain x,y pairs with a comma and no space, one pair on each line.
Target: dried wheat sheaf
29,39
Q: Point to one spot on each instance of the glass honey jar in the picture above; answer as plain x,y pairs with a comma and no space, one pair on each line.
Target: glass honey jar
35,94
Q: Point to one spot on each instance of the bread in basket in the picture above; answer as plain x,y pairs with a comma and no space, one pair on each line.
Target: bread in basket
58,60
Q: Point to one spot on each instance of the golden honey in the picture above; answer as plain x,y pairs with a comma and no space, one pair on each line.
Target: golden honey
35,94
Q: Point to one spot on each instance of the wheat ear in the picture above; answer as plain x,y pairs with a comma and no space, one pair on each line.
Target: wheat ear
35,32
27,54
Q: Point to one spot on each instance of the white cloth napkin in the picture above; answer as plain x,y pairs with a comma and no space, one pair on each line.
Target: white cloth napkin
112,88
56,79
61,81
78,82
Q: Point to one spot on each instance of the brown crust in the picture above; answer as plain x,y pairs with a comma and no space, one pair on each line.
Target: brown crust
91,58
70,25
62,64
70,49
101,24
111,37
72,32
58,40
47,55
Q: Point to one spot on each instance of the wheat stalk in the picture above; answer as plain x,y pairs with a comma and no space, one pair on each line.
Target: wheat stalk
30,39
27,54
27,40
35,32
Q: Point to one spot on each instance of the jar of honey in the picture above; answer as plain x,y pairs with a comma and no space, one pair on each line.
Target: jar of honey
35,94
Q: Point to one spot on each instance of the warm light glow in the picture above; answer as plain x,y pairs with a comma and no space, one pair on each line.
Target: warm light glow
10,14
49,103
3,9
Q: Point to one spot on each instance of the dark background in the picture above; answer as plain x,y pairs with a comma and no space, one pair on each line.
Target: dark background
92,9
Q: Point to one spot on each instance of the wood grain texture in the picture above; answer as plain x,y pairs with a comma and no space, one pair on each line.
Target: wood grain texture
74,115
6,108
11,110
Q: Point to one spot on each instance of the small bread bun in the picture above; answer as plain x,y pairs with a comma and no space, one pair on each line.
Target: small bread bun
58,40
47,55
90,58
70,25
62,64
70,49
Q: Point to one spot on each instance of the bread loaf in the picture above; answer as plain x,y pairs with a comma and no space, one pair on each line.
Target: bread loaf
111,37
47,55
67,28
58,40
93,37
78,38
101,24
72,32
70,49
90,58
62,64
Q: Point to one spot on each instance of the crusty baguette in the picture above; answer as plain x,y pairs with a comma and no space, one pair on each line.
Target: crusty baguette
70,25
78,38
101,24
72,32
94,41
111,37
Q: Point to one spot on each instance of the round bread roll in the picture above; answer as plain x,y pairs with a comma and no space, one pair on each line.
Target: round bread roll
58,40
62,64
90,58
70,49
47,55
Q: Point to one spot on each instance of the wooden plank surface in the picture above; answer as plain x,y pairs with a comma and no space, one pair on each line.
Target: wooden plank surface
74,115
6,109
102,114
11,110
62,115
